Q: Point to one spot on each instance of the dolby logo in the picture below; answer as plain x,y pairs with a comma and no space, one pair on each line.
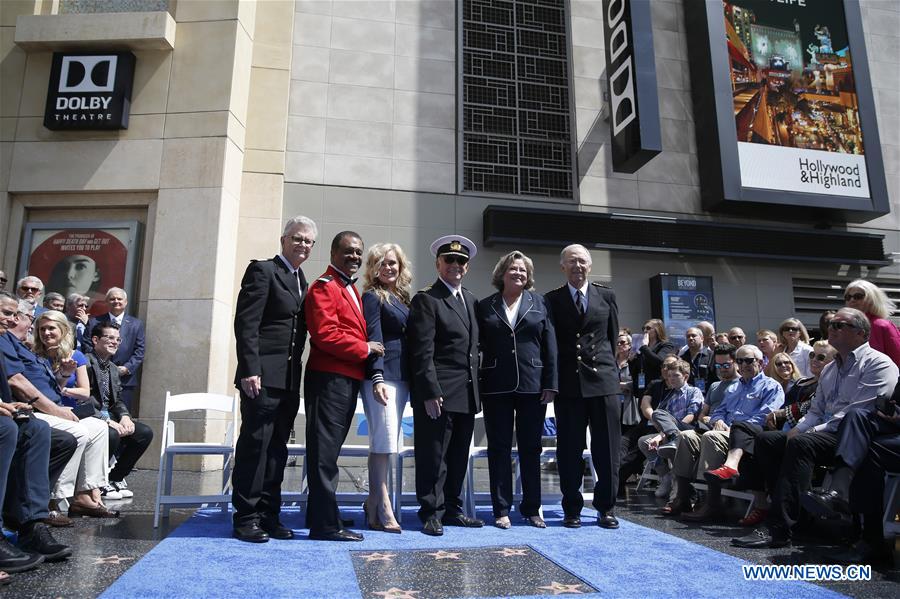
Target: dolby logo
89,91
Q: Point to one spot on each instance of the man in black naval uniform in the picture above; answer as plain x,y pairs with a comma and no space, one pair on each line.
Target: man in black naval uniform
587,323
442,338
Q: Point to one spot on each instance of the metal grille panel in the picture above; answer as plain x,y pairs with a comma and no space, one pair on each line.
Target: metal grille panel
516,114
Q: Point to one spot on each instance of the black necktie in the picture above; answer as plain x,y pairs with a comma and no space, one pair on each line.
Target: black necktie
579,297
459,298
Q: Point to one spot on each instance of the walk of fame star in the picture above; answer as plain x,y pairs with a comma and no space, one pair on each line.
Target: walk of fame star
510,551
441,554
557,588
112,559
395,593
376,556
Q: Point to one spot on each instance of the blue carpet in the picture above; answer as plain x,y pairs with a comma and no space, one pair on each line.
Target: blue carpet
200,559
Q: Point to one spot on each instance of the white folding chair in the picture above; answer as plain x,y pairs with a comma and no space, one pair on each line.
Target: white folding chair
169,448
347,451
404,452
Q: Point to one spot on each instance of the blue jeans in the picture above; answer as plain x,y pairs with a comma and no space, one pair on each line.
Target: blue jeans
24,469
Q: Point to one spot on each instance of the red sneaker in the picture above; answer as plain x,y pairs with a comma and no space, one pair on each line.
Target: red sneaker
722,474
755,517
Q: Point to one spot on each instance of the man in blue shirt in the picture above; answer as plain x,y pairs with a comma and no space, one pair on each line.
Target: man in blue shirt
734,424
852,382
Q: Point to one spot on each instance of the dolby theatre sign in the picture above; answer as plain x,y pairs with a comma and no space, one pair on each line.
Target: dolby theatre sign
89,91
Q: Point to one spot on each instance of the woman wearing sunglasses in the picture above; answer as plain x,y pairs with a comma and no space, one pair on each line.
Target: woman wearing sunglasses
794,339
800,395
782,368
868,298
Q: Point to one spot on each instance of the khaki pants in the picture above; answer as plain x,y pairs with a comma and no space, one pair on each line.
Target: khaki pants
88,467
696,454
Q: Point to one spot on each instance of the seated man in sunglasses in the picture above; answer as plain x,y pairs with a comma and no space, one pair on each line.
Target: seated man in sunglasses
734,425
858,375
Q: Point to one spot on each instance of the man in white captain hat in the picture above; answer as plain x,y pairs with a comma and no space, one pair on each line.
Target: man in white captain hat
442,335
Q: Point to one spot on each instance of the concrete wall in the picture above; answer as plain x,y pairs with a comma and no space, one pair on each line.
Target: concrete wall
748,292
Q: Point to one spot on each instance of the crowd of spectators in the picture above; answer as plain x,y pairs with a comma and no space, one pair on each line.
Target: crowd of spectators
67,438
796,423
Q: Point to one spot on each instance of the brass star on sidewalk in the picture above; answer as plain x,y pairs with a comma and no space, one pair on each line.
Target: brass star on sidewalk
558,588
510,551
112,559
395,593
376,556
441,554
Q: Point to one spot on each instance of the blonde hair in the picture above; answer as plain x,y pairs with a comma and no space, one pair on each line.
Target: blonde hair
66,340
792,322
772,372
877,303
374,260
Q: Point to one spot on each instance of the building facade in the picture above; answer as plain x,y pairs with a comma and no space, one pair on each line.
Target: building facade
402,120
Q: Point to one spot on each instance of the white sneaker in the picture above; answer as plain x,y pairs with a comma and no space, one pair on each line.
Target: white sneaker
122,488
110,492
665,486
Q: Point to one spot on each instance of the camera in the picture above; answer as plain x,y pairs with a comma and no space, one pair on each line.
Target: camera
884,405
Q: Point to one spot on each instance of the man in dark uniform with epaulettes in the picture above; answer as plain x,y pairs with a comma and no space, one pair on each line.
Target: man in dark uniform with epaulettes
586,319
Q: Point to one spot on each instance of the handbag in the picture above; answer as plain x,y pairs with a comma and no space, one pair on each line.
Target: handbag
631,413
84,410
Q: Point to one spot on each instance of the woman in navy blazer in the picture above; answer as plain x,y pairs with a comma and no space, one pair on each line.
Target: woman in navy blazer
385,392
517,379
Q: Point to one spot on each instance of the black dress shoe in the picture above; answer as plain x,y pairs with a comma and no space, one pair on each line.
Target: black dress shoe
572,522
863,553
433,527
759,538
338,535
277,530
607,520
462,520
827,504
251,533
706,513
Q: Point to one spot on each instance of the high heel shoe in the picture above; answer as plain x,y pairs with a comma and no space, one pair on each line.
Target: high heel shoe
369,524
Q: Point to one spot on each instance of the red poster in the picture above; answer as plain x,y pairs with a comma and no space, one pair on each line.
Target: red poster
85,261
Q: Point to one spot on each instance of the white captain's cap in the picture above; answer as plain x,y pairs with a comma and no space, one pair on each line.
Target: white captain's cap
456,245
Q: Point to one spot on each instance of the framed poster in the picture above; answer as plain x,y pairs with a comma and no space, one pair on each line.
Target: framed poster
83,257
681,301
784,108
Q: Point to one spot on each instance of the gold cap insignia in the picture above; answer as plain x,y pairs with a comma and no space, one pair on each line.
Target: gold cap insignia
455,246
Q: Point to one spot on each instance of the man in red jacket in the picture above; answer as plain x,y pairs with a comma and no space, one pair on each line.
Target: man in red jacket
336,366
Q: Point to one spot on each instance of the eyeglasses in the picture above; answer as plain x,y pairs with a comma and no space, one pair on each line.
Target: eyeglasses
725,366
745,360
32,289
737,336
790,330
3,280
783,364
623,342
836,325
28,316
820,357
854,296
454,259
111,338
298,239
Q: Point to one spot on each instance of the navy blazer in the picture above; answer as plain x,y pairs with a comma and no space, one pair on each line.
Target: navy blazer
386,323
442,345
587,358
520,358
131,347
269,324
